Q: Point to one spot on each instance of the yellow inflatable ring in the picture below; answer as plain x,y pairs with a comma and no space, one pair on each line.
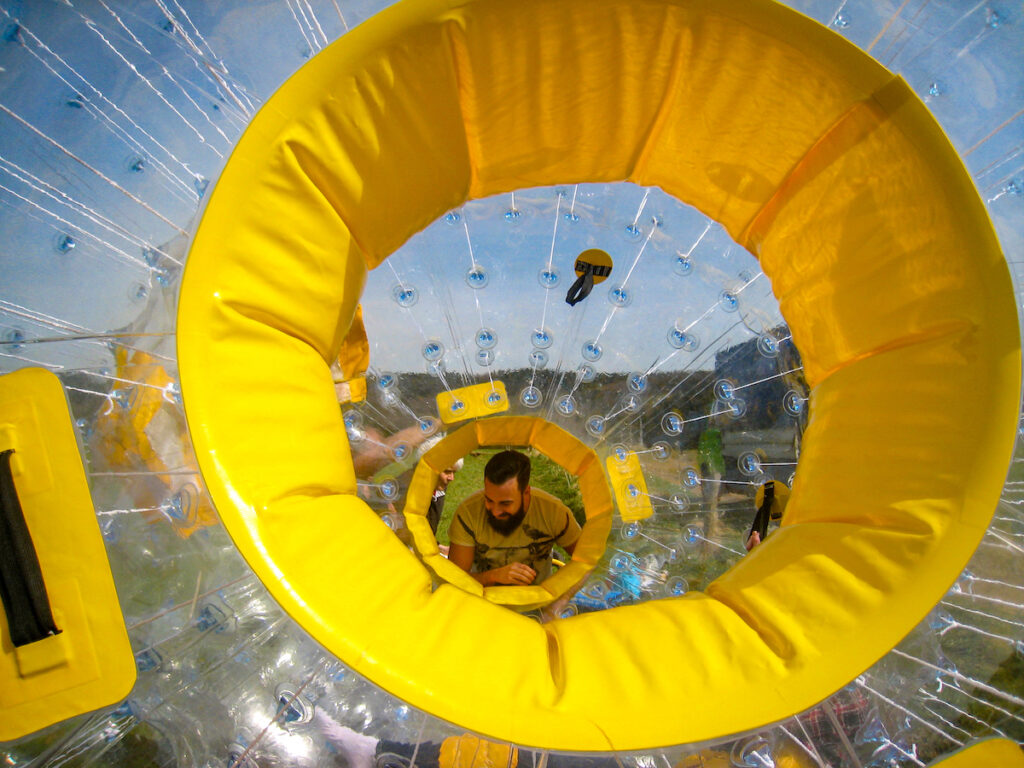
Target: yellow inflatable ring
559,446
811,155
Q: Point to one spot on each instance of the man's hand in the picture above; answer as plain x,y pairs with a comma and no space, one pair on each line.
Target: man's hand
517,574
375,451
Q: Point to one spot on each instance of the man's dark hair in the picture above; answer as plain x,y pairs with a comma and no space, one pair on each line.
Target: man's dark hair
506,465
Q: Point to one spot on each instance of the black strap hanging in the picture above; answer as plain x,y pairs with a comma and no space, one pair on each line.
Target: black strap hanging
580,289
763,514
22,589
592,266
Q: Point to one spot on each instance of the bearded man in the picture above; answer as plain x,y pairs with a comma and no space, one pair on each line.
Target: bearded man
504,534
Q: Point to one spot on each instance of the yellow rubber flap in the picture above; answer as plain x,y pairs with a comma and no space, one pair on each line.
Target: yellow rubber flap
472,402
627,478
468,751
89,665
353,360
993,753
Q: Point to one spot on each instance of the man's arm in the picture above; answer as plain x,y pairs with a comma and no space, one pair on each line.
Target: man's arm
513,573
461,555
374,452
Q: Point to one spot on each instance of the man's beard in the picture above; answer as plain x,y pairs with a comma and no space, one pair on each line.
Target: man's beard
507,525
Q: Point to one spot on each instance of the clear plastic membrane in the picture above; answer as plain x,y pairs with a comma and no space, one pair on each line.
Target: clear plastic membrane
116,119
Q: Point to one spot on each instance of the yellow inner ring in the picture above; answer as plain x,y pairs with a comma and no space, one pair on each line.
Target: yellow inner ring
559,446
812,156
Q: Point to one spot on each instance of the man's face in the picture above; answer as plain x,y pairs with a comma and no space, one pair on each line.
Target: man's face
445,477
505,505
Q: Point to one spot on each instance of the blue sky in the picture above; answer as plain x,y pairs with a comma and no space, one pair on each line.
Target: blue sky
513,251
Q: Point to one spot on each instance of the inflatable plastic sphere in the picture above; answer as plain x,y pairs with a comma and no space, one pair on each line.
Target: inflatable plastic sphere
739,279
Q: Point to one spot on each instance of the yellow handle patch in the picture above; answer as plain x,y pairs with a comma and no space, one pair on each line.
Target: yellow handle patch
88,665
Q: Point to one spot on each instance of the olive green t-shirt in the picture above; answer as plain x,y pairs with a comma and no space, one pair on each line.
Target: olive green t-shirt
548,521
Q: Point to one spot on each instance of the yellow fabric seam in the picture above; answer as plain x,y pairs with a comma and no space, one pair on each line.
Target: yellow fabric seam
665,108
464,84
841,135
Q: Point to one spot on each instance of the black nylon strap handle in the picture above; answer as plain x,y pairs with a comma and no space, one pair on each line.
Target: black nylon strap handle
584,284
764,511
599,270
579,290
22,589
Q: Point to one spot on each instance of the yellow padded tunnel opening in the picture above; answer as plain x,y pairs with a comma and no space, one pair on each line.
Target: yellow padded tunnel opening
810,154
559,446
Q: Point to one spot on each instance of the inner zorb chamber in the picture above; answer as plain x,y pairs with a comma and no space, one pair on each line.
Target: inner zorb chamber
719,267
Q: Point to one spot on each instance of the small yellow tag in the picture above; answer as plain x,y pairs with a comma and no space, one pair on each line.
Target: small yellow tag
472,402
627,479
